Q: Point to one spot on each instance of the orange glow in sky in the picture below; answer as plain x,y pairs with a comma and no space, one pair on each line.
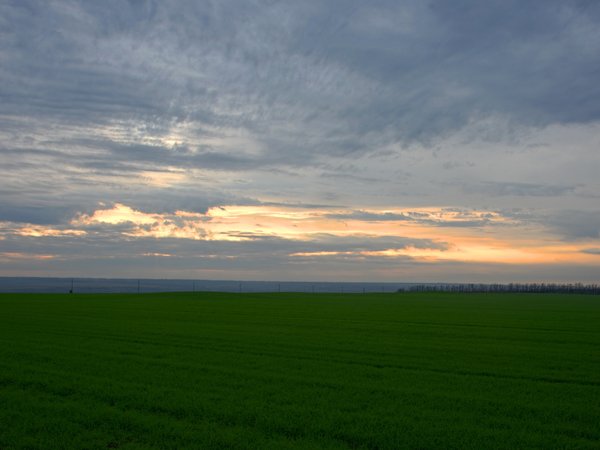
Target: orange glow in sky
493,238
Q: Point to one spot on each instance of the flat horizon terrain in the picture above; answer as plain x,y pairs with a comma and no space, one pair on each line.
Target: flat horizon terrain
289,370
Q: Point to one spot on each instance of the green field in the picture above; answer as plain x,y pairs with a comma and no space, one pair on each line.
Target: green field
277,371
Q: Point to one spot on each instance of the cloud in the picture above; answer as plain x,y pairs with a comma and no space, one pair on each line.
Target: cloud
260,232
575,224
236,86
424,117
519,189
276,70
439,217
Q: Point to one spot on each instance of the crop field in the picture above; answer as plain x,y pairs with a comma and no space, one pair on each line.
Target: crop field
288,371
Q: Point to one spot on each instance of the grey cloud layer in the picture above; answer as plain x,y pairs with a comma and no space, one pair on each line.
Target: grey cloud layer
409,70
303,80
353,103
99,252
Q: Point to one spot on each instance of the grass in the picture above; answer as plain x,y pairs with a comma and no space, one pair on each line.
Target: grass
283,371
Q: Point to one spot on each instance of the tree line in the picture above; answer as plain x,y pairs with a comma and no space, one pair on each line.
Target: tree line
555,288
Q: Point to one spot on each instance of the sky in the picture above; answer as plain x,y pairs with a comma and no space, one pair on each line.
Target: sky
405,141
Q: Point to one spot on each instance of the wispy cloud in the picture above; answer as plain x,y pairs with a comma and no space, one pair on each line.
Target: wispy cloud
519,189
